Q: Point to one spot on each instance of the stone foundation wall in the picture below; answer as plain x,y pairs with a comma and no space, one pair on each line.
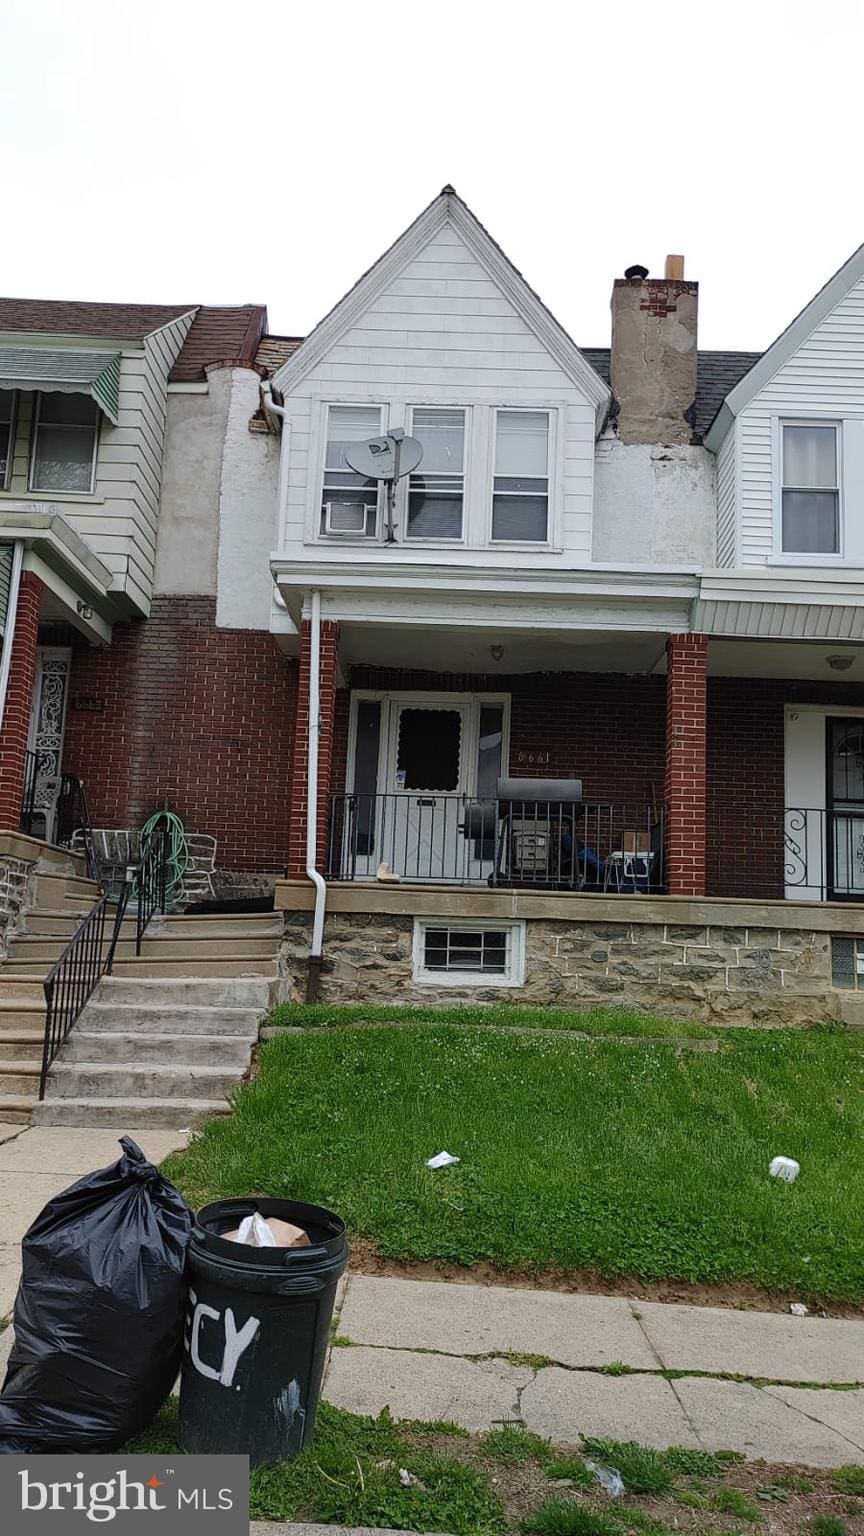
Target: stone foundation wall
735,974
14,875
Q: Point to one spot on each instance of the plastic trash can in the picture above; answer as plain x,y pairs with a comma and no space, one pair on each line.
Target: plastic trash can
257,1330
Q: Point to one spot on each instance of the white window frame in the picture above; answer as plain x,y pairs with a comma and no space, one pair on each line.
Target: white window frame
314,534
13,432
447,542
798,557
514,975
47,490
552,539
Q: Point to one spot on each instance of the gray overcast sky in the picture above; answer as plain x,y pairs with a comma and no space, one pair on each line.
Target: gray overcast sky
211,152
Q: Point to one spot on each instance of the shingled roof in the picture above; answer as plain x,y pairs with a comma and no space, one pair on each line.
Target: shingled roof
717,373
67,317
274,351
219,333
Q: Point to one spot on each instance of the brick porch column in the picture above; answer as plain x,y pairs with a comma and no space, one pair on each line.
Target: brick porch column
686,818
15,725
300,747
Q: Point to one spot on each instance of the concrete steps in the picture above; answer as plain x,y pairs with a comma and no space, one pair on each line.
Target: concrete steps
163,1040
179,1114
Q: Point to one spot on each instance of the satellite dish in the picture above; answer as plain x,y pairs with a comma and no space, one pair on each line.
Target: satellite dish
385,458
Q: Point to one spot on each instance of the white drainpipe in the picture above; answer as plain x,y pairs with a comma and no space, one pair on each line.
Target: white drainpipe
312,798
9,632
312,870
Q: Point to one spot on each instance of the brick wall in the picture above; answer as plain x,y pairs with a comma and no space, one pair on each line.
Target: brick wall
198,717
686,681
326,741
605,727
19,691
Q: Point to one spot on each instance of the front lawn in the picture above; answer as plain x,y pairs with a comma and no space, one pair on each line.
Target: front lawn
435,1477
641,1159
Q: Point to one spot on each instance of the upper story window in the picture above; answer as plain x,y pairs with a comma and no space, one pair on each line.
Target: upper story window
65,433
436,492
520,493
7,411
811,495
349,505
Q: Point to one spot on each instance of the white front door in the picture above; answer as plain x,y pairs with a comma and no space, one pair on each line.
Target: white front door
427,781
416,761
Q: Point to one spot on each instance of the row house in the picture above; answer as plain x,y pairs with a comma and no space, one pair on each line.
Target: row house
573,706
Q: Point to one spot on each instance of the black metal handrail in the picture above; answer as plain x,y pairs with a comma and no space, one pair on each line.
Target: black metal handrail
28,797
73,816
73,978
151,880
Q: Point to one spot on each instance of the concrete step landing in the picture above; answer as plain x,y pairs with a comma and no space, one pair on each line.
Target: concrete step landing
181,1114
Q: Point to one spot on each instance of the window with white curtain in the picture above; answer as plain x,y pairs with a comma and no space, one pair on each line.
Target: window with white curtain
349,502
436,490
65,434
811,489
520,493
7,411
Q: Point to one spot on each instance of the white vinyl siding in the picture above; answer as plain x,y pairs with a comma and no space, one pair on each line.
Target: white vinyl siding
118,518
444,335
823,380
726,552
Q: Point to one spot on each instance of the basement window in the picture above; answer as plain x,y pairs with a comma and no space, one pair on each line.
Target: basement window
847,963
469,954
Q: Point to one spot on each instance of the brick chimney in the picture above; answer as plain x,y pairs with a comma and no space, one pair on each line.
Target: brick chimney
653,362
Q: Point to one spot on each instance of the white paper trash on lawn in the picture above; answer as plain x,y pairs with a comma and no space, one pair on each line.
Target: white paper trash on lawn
785,1168
441,1160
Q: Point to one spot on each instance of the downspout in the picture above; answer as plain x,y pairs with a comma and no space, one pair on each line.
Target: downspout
313,976
9,631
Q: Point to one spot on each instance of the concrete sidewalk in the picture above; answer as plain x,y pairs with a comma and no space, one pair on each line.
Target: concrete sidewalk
483,1355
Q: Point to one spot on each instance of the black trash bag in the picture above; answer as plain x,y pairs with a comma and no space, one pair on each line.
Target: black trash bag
99,1312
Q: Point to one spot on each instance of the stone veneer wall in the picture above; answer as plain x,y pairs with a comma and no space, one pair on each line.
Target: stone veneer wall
14,875
730,973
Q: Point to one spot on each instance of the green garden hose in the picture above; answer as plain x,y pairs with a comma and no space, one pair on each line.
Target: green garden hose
178,850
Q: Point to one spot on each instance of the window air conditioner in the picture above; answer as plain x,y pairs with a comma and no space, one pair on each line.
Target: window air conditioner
348,518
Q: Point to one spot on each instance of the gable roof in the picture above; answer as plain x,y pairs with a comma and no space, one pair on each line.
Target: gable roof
220,334
717,373
68,317
786,344
448,207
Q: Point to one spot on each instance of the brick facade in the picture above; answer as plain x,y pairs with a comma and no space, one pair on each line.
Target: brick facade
329,661
19,692
195,717
686,764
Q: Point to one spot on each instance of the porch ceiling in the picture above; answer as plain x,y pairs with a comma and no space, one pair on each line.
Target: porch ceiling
470,650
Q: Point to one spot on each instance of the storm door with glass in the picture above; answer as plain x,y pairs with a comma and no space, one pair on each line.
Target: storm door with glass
845,808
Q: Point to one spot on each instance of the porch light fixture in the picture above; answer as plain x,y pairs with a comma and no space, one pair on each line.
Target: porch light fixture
840,663
84,610
496,652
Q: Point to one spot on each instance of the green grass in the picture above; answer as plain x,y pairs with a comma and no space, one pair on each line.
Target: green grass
561,1517
731,1501
642,1469
510,1445
849,1479
593,1021
350,1476
628,1160
571,1468
827,1525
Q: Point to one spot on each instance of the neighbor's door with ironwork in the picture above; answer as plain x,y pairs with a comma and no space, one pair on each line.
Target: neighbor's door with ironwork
47,727
845,808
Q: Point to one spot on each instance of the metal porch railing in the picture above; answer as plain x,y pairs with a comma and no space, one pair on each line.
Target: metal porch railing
459,839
